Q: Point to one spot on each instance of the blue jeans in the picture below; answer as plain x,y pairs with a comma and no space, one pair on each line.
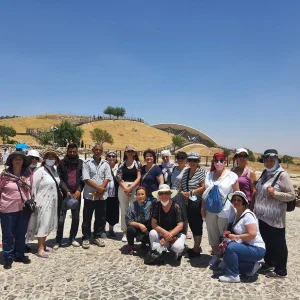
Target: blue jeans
241,257
14,225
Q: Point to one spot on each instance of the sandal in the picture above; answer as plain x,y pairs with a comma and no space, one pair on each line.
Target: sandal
48,249
42,254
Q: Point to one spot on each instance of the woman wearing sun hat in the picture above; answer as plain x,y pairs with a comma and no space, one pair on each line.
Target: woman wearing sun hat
167,221
246,176
44,220
14,180
270,208
35,159
247,247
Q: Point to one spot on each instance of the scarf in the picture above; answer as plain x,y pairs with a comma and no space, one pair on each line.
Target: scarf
21,181
71,161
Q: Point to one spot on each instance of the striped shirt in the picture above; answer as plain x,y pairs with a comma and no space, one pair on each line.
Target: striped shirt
189,184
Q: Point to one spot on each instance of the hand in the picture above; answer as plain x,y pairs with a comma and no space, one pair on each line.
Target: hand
68,194
163,242
100,189
76,195
185,195
271,190
203,213
143,227
168,236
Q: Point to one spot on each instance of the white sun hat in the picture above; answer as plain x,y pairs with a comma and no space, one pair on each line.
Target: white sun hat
164,188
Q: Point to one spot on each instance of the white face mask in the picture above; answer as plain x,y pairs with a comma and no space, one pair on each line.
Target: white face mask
50,162
165,203
32,165
271,169
219,166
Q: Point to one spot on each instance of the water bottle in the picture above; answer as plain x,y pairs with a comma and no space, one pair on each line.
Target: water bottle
159,248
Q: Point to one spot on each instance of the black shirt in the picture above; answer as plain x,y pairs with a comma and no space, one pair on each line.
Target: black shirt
129,175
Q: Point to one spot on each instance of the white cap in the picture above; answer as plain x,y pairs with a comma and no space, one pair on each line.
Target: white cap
240,150
165,152
34,153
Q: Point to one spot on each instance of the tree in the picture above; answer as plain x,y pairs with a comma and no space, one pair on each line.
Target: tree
178,141
101,136
45,138
287,159
6,131
109,110
226,151
251,155
120,112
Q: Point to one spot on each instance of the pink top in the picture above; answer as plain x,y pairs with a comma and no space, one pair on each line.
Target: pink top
10,199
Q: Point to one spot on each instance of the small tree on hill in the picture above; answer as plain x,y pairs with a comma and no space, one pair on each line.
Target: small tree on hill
287,159
178,141
6,132
101,136
109,110
251,155
227,152
45,138
120,112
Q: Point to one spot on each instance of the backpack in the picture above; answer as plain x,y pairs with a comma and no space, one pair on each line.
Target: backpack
214,201
290,206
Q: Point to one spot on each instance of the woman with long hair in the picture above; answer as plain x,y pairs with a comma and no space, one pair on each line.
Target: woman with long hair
128,176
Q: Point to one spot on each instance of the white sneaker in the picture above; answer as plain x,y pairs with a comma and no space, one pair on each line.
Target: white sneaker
56,246
256,267
74,243
124,238
214,261
222,265
230,278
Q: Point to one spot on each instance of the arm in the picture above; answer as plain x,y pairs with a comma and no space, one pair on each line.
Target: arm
287,192
235,186
160,179
159,229
249,235
252,180
177,229
62,184
200,189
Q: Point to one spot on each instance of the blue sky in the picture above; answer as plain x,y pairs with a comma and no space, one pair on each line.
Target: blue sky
228,68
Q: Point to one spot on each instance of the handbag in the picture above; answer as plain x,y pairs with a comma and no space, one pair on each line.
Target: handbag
29,206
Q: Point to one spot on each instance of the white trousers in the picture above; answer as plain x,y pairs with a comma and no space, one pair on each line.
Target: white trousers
125,201
176,247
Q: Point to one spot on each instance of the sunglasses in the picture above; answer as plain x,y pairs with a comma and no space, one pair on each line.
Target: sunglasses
165,157
34,157
192,160
236,199
109,156
219,161
242,156
164,193
130,151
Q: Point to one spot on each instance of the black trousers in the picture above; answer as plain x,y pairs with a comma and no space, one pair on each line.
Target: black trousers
112,210
195,220
133,232
276,248
74,225
99,206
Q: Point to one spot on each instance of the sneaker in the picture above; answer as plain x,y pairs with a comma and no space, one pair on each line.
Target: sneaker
103,235
225,278
266,268
74,243
8,263
85,244
214,261
256,267
275,275
222,265
130,249
99,242
24,259
56,246
112,233
124,238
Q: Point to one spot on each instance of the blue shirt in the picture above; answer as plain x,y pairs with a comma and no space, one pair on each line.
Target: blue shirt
150,182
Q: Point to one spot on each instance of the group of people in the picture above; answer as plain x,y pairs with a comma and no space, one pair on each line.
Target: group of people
158,203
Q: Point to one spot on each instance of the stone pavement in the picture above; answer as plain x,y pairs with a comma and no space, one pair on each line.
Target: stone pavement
108,273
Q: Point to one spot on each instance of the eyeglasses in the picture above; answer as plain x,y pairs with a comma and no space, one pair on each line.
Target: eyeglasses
242,156
164,193
33,157
192,160
109,156
219,161
165,157
236,199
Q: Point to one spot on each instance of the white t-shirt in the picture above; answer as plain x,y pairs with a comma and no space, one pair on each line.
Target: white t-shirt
240,228
176,178
225,183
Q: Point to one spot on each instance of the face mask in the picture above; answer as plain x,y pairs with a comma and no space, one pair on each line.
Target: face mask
219,166
32,165
50,162
271,169
165,203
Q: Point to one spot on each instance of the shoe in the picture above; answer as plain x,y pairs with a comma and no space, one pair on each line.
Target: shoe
56,246
225,278
275,275
99,242
222,265
74,243
112,233
130,249
27,249
103,235
85,244
256,267
43,254
8,263
214,261
192,253
266,268
24,259
124,238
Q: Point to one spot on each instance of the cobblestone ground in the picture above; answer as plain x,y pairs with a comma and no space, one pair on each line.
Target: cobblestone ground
108,273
